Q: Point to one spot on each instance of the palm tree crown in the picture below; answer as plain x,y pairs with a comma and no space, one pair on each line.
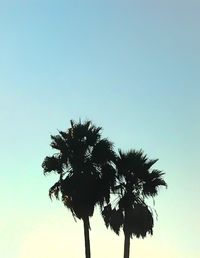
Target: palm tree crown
84,164
136,181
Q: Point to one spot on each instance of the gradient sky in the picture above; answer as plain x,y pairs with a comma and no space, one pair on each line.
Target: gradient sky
133,68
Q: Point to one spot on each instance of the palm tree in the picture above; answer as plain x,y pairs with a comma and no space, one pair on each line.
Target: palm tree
136,182
83,162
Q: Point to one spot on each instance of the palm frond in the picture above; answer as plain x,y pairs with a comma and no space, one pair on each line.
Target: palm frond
113,218
139,221
152,182
55,190
103,152
52,163
58,143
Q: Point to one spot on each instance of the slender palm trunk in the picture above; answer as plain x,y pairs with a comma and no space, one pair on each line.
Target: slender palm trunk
126,245
86,225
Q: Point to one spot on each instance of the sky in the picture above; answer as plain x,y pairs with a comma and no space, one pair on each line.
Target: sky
131,67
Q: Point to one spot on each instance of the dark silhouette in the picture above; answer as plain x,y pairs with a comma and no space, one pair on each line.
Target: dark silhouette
136,181
83,162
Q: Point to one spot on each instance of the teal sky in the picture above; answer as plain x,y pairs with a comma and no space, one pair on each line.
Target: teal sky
132,67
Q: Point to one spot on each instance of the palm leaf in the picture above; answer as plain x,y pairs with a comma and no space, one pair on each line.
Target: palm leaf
52,164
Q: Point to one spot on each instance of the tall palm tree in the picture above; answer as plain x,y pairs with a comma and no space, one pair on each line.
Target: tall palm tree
83,162
136,182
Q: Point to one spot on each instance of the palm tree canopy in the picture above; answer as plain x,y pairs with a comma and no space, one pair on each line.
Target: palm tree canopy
136,176
83,162
136,181
137,221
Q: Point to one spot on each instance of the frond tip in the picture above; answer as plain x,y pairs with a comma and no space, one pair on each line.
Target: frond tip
55,190
52,164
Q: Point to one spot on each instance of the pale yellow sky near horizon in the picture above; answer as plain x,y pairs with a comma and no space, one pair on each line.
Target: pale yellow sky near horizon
60,236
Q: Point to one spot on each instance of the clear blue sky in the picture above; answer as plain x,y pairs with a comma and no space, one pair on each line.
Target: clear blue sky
130,66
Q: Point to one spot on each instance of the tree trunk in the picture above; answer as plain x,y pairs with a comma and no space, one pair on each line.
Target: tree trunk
86,224
126,245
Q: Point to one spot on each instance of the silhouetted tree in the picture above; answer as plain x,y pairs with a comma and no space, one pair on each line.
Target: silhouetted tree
136,181
84,164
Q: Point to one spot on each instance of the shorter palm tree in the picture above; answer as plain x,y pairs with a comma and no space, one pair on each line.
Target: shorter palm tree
136,181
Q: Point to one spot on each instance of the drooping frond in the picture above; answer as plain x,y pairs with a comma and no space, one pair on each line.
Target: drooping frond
113,218
106,213
55,190
139,221
52,164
